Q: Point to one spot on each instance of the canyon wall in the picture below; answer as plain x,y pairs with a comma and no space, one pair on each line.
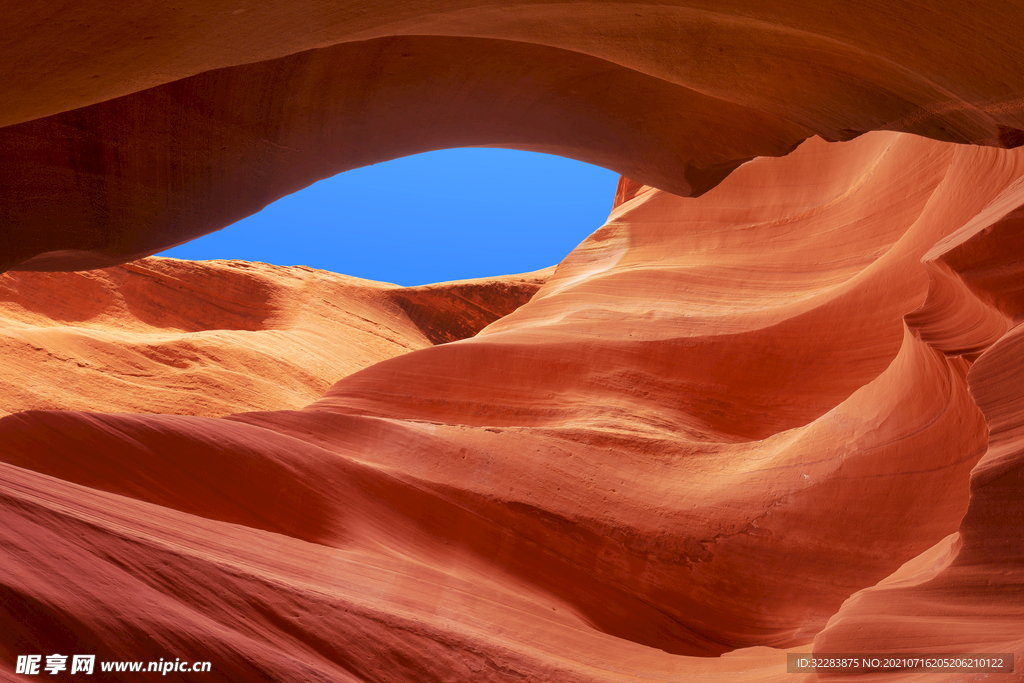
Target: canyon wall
772,405
182,119
714,422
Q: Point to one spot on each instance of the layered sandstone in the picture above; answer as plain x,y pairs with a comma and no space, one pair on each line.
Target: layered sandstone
218,337
965,594
183,119
778,410
716,421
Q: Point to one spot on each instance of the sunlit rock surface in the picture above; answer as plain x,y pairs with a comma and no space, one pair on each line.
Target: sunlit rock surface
777,417
774,404
218,337
966,594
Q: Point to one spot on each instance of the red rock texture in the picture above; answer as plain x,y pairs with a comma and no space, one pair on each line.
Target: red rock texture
965,594
183,119
714,423
778,410
218,337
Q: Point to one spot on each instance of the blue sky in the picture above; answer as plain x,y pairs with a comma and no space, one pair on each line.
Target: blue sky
446,215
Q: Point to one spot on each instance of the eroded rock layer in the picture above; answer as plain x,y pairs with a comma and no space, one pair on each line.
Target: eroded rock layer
219,337
966,594
715,422
183,119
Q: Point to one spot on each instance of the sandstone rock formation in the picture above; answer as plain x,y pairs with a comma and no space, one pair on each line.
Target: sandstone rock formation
965,594
213,338
714,423
777,411
186,118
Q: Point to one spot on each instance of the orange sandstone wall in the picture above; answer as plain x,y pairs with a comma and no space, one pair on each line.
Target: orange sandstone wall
716,421
185,118
776,410
218,337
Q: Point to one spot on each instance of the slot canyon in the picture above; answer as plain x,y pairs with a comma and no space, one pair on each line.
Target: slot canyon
773,405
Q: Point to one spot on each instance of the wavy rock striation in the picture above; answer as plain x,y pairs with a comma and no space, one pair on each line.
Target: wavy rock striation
715,422
965,594
218,337
186,118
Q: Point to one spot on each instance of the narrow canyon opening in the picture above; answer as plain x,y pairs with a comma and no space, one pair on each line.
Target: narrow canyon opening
440,216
